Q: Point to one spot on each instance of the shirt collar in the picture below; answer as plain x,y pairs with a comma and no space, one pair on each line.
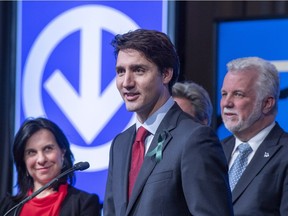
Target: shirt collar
255,141
152,123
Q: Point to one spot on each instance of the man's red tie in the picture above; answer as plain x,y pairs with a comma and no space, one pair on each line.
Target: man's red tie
138,151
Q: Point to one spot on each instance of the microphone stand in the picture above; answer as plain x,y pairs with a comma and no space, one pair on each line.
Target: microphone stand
79,166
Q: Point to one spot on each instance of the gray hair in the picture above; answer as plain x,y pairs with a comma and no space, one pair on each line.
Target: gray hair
198,97
268,80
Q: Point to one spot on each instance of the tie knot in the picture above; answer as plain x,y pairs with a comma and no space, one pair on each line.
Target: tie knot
141,134
244,148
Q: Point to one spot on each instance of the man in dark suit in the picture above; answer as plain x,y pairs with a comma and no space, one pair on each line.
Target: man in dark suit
250,94
184,171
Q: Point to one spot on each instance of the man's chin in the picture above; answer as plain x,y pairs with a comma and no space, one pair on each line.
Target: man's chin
131,108
233,128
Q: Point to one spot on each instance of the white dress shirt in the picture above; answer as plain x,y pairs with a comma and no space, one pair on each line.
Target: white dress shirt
254,142
153,122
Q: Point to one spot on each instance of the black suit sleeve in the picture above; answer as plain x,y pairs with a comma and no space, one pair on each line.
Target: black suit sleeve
6,203
80,203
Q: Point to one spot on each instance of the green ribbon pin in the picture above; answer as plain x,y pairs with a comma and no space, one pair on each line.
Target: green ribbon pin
157,151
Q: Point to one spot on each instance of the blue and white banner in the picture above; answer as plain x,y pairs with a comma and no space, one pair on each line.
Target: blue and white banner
266,38
66,72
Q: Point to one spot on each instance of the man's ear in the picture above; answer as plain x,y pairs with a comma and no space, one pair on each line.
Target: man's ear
268,104
167,75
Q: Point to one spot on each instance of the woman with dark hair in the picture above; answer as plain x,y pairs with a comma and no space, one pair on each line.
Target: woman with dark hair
41,152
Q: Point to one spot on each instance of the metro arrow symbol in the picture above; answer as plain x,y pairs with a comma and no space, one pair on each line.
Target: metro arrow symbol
83,108
87,105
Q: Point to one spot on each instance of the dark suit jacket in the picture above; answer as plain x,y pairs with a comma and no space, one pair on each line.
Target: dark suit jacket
76,203
263,187
190,179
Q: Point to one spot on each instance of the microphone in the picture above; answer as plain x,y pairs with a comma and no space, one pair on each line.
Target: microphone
78,166
81,166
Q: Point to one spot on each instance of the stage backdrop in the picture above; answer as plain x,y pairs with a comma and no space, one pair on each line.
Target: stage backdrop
66,72
265,38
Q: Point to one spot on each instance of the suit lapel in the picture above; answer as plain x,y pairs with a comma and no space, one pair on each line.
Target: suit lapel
263,155
228,146
124,173
168,123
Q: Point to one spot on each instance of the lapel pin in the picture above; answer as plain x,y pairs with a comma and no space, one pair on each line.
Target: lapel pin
266,154
157,151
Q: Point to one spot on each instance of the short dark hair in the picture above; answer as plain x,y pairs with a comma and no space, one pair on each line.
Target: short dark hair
156,46
29,127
